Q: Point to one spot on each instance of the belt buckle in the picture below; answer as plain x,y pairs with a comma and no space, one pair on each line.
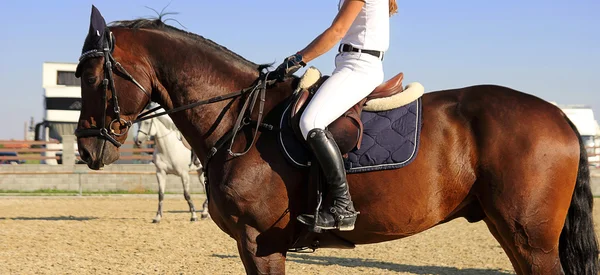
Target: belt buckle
346,48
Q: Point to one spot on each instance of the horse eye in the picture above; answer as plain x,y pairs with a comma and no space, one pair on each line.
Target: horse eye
91,80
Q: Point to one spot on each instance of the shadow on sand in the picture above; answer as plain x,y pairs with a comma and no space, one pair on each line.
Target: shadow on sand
180,211
384,266
58,218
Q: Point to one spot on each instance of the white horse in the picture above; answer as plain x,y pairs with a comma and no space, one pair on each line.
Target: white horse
172,155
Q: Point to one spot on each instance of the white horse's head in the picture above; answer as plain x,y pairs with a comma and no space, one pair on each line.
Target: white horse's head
146,129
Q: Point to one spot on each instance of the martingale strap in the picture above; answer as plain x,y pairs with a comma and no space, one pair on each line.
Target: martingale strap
238,124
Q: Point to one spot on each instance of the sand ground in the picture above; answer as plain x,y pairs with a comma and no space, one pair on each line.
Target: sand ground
114,235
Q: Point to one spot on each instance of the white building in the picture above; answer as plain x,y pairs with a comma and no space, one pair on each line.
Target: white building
62,104
583,118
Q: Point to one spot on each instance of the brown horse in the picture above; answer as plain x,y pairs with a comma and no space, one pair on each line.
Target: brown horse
486,153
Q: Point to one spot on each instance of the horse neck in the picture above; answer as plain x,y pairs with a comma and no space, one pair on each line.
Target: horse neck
199,71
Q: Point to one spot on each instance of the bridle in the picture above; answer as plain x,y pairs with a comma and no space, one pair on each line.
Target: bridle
144,131
108,83
255,92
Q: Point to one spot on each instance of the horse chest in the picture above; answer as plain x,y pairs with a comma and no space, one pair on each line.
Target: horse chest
166,164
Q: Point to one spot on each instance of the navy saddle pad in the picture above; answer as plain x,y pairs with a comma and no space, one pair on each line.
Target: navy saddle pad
390,140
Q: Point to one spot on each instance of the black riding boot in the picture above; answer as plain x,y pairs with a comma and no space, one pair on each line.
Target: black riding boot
340,214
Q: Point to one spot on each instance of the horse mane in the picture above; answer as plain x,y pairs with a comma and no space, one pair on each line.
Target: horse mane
159,24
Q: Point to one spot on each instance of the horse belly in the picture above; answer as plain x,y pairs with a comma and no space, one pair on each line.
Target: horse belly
392,210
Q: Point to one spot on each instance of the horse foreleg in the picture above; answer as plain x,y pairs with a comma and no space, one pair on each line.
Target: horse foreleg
260,257
185,180
205,215
161,177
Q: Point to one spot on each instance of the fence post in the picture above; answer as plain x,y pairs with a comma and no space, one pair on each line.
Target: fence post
68,151
80,186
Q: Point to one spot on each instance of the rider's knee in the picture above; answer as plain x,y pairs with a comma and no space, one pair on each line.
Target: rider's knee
306,124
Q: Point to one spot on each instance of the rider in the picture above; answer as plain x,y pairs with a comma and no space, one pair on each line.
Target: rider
363,28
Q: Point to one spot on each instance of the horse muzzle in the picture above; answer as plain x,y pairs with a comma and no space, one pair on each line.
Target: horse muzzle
97,152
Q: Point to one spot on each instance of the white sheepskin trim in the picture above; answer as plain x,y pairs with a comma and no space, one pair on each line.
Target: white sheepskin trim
309,78
411,93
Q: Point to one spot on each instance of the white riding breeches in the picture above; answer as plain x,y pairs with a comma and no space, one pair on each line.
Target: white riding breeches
355,76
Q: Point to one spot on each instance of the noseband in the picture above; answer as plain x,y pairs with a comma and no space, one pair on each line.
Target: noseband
147,133
108,83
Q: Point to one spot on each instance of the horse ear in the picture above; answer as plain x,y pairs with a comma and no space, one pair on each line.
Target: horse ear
97,22
96,34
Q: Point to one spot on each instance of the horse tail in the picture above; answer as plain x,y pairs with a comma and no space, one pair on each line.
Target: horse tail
578,246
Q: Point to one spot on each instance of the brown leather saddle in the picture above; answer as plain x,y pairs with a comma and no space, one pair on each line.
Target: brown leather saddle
347,130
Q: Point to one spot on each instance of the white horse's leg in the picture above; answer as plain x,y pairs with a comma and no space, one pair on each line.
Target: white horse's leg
204,214
185,180
161,176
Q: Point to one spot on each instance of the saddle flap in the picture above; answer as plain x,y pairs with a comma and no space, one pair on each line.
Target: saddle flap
347,130
298,104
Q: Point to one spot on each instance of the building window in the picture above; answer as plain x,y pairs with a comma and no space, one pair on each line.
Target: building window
63,103
67,78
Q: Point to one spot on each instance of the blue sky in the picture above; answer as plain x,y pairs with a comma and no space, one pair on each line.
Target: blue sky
547,48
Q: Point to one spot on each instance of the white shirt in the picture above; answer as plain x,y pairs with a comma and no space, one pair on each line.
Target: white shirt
371,28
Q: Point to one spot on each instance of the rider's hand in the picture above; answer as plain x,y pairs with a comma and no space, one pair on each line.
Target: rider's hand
290,65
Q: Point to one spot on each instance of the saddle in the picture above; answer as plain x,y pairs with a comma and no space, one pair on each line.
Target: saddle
347,130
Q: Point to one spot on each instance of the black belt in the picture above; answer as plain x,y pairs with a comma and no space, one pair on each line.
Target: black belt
349,48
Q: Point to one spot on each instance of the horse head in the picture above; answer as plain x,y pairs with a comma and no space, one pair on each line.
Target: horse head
146,129
113,92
